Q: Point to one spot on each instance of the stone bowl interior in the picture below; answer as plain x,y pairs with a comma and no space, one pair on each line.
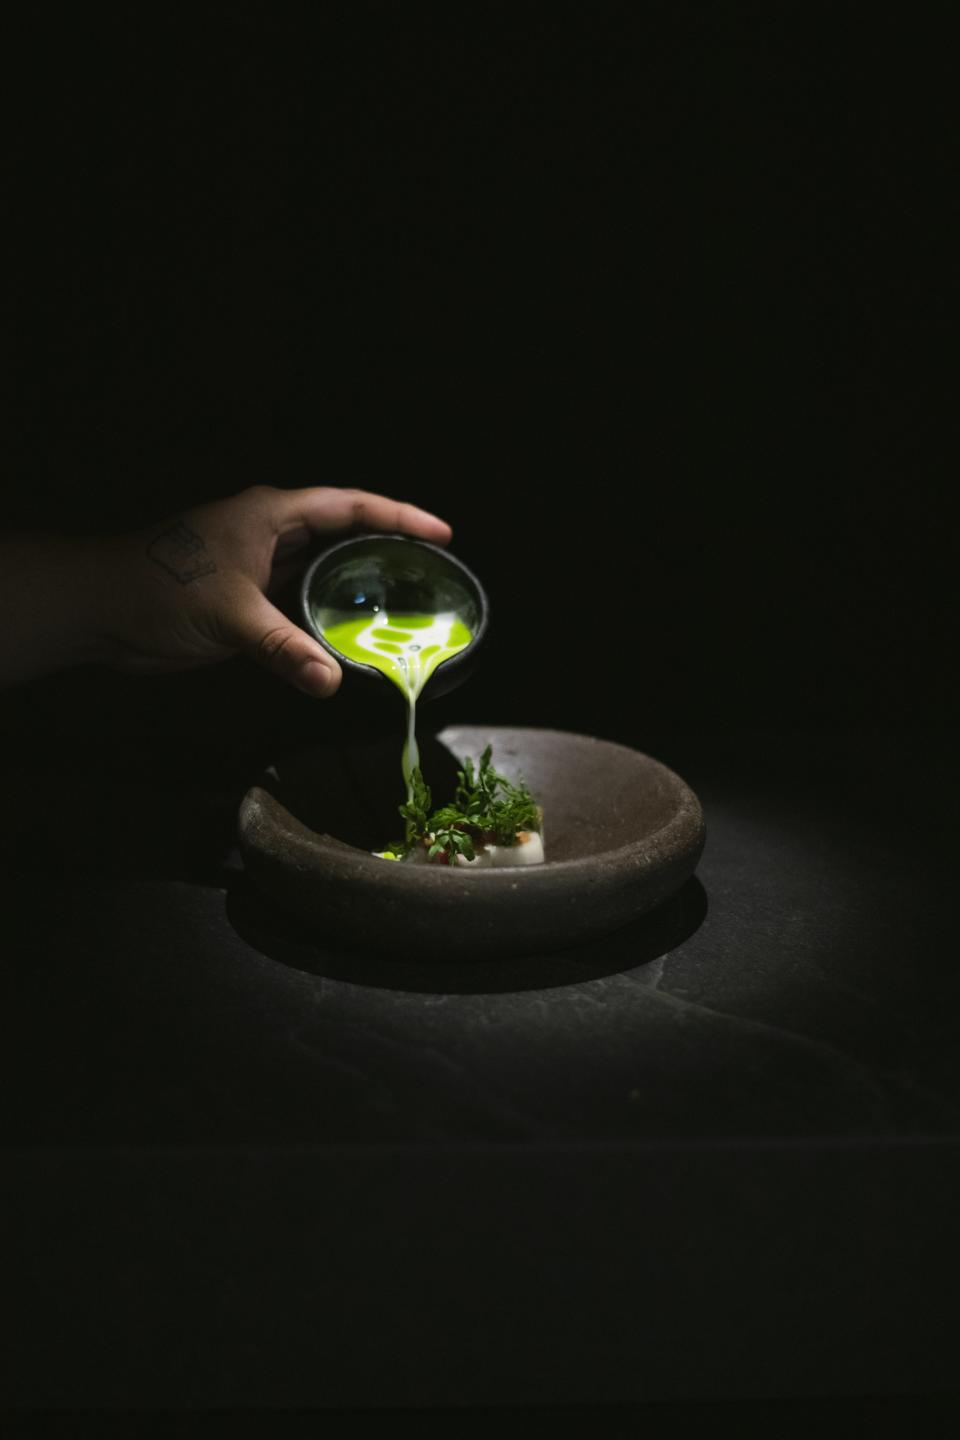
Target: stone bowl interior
622,833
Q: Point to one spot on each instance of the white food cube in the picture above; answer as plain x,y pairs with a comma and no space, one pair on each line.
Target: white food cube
528,851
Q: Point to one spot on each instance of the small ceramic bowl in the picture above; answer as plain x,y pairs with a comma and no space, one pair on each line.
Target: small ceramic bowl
398,573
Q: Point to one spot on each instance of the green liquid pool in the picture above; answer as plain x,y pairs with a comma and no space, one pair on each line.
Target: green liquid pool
406,648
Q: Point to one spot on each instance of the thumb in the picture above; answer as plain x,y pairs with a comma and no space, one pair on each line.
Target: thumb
263,633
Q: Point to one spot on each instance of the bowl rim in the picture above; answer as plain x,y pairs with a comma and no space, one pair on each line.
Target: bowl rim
360,667
688,814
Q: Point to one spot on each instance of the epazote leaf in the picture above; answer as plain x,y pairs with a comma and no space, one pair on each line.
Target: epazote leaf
486,806
416,811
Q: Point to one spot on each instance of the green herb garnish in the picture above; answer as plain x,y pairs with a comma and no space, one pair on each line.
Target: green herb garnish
487,809
416,812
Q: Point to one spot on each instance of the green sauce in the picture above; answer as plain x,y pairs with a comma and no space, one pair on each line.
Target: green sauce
406,648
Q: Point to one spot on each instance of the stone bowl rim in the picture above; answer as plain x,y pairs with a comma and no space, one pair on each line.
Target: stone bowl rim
687,810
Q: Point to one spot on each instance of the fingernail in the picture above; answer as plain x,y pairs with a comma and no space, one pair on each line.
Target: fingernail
315,678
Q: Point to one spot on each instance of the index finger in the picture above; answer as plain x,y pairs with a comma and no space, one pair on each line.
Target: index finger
324,508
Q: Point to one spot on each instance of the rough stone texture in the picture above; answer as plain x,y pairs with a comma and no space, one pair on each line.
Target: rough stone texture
715,1153
622,832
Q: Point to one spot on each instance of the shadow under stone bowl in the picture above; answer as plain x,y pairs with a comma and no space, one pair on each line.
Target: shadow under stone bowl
622,833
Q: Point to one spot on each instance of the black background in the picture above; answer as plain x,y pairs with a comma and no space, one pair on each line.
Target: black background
647,301
643,299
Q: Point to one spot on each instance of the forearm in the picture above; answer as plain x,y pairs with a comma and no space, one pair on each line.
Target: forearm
53,595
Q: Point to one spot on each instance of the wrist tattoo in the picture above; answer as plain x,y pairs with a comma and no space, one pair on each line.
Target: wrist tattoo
182,553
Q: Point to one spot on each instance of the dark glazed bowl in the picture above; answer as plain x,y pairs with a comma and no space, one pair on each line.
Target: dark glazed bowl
396,571
621,831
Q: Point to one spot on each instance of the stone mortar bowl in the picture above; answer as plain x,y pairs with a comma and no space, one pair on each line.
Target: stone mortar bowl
622,833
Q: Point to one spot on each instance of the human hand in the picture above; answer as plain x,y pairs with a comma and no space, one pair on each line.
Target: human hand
197,588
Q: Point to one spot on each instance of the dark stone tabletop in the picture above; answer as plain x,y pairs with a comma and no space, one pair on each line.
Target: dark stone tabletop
714,1154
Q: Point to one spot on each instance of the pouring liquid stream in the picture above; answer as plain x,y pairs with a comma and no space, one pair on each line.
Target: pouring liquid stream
405,647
